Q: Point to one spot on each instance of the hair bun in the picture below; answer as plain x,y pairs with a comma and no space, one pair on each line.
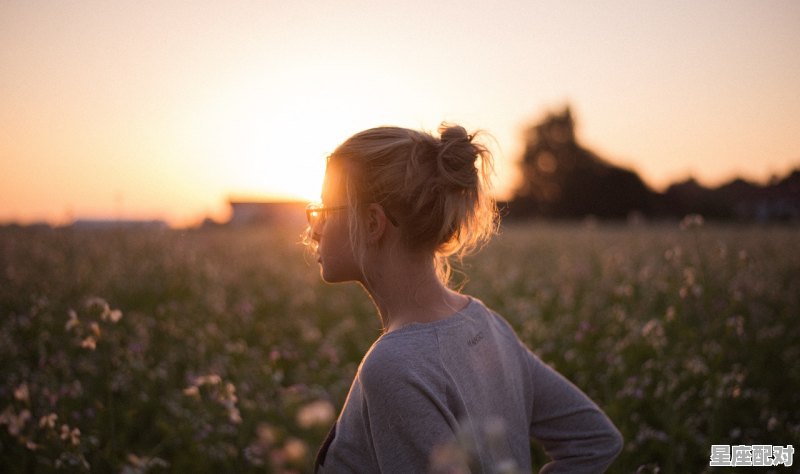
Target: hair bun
451,133
456,156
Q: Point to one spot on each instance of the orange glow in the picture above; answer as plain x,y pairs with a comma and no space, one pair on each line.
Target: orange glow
160,110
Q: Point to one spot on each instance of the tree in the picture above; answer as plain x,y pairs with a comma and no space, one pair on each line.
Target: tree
563,179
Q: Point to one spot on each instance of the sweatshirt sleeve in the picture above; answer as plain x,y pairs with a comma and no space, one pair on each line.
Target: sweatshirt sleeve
574,432
406,419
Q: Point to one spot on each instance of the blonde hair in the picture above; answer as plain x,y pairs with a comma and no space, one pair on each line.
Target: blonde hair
437,189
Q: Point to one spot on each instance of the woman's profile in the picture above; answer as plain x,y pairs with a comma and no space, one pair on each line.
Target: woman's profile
448,386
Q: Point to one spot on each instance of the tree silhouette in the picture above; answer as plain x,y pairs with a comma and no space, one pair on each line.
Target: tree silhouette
563,179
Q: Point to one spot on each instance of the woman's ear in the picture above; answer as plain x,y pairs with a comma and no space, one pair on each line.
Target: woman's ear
376,223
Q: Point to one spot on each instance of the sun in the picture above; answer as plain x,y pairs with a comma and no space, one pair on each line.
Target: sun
266,152
270,137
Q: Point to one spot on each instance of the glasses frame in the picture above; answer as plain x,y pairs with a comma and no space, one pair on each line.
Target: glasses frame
322,210
315,208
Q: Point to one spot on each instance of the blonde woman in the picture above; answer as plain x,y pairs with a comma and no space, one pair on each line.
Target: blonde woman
448,386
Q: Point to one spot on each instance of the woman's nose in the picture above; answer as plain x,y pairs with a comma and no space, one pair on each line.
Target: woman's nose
316,233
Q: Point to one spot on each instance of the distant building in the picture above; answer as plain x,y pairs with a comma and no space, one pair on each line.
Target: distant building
244,213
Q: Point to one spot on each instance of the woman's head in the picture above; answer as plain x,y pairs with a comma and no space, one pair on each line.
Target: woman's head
434,190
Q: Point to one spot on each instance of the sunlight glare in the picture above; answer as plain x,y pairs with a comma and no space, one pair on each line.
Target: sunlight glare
271,140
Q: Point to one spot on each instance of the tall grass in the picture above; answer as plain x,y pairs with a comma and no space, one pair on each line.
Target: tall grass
221,350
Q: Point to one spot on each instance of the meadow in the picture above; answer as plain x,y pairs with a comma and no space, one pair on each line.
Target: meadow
220,350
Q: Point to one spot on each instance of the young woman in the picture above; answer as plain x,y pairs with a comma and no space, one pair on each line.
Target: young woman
448,385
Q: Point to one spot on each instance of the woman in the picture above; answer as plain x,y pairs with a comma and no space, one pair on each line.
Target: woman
448,386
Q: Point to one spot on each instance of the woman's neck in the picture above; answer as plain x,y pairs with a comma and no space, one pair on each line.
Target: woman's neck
408,291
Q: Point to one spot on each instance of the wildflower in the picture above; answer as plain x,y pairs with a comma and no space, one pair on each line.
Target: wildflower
106,313
316,413
73,436
265,433
696,365
234,415
736,323
236,347
673,254
274,355
691,287
653,332
48,421
21,393
742,255
448,458
212,379
624,290
255,454
295,450
228,399
311,334
73,321
192,391
690,275
14,422
95,328
89,343
115,315
649,327
96,302
143,464
495,429
772,423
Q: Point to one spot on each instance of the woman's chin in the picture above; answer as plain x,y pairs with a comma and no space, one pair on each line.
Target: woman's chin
334,277
328,276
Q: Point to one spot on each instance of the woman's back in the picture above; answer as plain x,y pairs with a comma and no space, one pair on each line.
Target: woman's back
467,378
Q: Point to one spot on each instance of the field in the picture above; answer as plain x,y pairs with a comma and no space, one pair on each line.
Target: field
221,351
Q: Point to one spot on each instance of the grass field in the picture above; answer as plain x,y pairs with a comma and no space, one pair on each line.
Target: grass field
221,351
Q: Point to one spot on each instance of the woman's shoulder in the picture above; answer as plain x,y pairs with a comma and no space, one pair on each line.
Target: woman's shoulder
418,338
411,352
398,353
389,365
418,345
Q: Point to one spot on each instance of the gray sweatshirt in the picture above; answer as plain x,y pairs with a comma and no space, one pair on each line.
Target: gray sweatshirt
464,384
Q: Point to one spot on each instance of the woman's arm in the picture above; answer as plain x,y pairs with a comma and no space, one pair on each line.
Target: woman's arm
571,428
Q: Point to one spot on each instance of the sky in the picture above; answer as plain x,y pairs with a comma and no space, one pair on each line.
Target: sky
165,110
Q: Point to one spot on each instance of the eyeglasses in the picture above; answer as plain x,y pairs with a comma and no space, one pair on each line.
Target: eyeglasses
317,213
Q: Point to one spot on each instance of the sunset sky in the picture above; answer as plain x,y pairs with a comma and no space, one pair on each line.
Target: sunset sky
155,109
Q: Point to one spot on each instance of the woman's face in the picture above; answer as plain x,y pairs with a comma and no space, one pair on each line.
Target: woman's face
332,232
